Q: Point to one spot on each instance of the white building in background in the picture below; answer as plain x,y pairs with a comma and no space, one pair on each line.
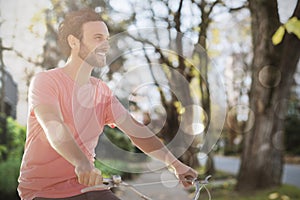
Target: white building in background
10,94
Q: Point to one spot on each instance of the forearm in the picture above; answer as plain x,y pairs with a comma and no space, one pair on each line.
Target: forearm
63,142
155,148
146,140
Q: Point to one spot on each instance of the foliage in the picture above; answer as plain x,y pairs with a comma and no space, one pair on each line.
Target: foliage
9,173
291,26
13,148
15,139
119,139
110,167
109,164
106,169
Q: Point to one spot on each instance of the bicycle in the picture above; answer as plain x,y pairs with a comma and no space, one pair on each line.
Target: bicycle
116,181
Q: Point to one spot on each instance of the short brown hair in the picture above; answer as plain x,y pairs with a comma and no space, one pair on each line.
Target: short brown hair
72,25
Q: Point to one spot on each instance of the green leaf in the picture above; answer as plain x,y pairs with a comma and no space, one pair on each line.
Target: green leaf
278,35
293,26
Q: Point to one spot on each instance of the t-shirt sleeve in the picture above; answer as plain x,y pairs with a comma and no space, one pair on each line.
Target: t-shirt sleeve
114,110
42,90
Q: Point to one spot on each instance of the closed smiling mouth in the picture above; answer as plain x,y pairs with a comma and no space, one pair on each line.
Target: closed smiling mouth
100,53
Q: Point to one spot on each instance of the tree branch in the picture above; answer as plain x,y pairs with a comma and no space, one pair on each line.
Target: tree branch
157,49
246,5
177,17
27,59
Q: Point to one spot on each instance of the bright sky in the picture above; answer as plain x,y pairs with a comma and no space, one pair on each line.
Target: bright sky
16,17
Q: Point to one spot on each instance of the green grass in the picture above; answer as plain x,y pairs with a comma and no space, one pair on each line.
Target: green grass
227,192
285,192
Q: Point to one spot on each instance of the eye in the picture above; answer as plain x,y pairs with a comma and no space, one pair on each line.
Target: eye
101,38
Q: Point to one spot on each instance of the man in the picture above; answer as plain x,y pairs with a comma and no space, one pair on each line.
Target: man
67,112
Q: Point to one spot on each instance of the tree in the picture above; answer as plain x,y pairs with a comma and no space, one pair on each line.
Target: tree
199,28
273,68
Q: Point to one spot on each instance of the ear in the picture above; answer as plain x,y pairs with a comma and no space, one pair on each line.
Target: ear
73,41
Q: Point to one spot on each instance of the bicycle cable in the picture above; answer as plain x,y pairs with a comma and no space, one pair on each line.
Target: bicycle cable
116,181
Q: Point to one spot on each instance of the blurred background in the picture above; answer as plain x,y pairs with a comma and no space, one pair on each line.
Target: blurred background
217,80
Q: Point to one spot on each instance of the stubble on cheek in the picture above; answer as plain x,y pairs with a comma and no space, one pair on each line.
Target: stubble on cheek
92,58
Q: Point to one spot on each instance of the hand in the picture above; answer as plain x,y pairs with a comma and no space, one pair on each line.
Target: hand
88,175
184,172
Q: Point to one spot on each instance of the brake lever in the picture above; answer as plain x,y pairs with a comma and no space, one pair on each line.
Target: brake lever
199,185
197,190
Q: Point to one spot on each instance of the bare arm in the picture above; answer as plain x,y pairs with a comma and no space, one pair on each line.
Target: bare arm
147,141
61,139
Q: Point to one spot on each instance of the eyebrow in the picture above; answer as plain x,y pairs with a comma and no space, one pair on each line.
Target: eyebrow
102,35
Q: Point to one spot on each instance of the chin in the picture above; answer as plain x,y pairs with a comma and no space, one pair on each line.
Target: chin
101,63
99,66
97,63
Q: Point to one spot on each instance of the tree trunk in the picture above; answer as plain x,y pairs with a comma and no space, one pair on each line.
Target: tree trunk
273,70
177,132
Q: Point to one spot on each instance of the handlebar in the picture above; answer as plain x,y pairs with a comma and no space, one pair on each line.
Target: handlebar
116,181
199,185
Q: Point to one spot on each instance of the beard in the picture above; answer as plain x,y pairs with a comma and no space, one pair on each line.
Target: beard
93,58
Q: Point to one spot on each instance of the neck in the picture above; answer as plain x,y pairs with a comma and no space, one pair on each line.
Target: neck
78,70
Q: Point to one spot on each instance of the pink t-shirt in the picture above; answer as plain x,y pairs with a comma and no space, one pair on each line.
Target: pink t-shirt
85,110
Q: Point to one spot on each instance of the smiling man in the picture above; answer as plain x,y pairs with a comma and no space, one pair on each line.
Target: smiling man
68,109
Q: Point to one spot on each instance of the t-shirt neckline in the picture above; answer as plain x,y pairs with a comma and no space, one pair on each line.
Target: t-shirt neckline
72,80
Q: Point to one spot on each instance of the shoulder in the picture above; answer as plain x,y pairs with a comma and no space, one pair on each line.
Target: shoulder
44,78
48,73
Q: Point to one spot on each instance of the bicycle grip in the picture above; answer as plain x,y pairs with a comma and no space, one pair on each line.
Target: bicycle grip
189,179
106,181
